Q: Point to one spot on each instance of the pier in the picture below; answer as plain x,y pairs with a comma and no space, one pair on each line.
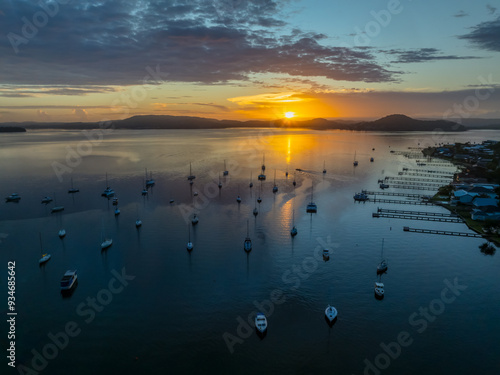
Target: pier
413,187
414,179
419,196
425,213
418,217
447,176
397,183
421,170
396,201
442,232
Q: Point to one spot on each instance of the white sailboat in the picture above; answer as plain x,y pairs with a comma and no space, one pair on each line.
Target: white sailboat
138,222
191,177
294,231
247,245
275,187
194,220
331,314
105,242
73,189
226,172
382,266
108,192
260,323
149,182
311,206
189,245
56,208
62,233
45,256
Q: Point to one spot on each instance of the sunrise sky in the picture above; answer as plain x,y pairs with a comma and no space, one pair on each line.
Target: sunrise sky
244,59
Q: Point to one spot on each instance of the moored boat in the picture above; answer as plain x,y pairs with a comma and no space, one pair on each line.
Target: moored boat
68,280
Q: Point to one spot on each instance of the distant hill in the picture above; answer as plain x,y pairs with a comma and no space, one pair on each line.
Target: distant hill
388,123
12,129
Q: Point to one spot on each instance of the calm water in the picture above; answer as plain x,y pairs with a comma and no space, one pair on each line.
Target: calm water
173,316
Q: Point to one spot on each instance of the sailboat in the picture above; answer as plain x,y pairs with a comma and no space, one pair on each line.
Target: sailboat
286,173
255,211
355,163
324,168
331,314
56,208
293,232
105,242
191,177
62,233
379,290
73,189
189,245
138,222
275,187
262,176
149,182
144,191
108,192
45,257
46,200
382,266
226,172
259,199
247,245
311,206
294,182
194,220
263,164
261,323
220,183
251,183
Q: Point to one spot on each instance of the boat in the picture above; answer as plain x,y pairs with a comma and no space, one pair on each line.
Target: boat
326,254
46,200
171,201
45,256
262,176
294,182
259,199
117,211
382,266
73,189
194,220
379,290
247,245
108,192
324,169
62,233
263,164
361,197
255,211
238,199
68,280
115,201
355,162
260,323
149,182
189,245
138,223
144,191
105,242
311,206
275,187
14,197
220,183
331,314
286,173
293,231
372,159
191,177
56,208
195,193
226,172
251,183
384,186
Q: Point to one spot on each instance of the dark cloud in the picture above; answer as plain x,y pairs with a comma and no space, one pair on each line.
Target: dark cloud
491,8
27,92
460,14
118,42
486,35
422,55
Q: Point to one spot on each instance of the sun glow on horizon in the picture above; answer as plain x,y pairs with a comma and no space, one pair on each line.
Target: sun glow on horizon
289,114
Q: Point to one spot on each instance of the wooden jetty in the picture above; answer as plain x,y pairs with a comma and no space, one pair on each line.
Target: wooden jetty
414,183
413,187
421,170
446,176
420,196
398,201
425,213
442,232
388,178
418,217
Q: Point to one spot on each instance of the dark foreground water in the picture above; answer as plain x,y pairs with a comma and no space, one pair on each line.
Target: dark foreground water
147,306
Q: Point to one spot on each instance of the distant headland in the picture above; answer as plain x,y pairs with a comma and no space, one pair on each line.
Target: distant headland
391,123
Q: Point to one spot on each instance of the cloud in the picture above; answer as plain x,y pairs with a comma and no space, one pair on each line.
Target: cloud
422,55
42,115
203,41
486,35
80,113
36,91
491,8
461,14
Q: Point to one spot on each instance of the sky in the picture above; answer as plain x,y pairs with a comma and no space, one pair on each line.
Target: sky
68,60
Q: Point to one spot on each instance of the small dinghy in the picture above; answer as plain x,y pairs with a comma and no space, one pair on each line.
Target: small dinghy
261,323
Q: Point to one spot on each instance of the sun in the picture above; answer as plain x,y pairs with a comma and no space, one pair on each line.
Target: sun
289,114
